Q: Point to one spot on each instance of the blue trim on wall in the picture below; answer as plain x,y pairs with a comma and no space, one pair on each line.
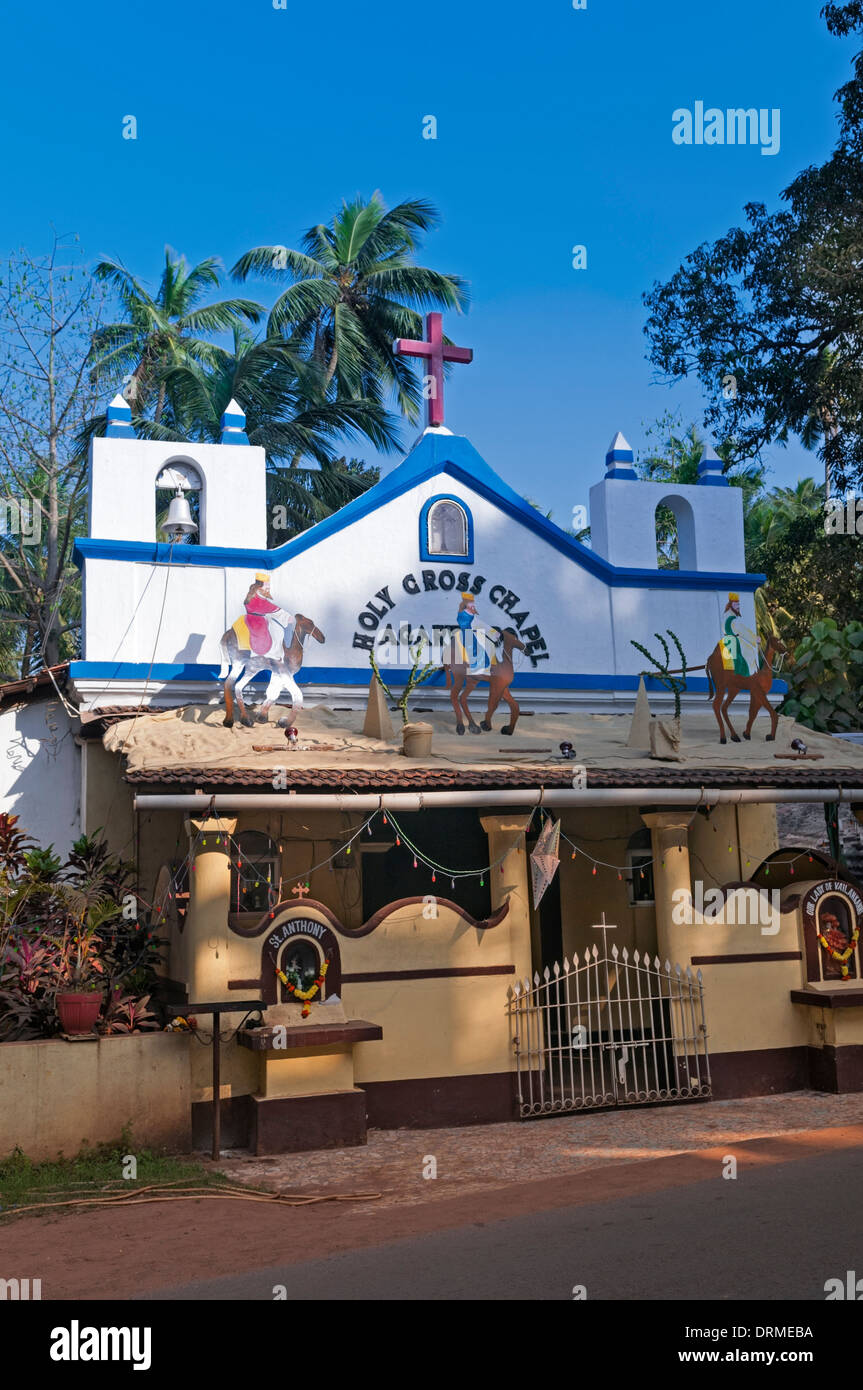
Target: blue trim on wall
425,553
349,675
434,455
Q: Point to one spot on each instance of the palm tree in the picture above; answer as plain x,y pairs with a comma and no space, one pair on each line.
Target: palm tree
164,332
288,413
775,511
355,290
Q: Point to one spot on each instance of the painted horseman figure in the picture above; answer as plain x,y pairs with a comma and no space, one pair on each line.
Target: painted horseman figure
738,641
728,673
266,638
267,625
470,646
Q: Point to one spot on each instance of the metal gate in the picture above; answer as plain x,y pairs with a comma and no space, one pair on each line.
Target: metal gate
611,1030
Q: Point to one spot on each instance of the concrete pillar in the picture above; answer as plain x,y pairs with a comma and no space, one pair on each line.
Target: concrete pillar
669,837
506,841
206,931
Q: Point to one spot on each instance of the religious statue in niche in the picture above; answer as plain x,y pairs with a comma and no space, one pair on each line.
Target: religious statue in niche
837,938
265,638
475,654
832,911
302,973
728,672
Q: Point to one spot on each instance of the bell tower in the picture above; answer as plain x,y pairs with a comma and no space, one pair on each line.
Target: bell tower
125,473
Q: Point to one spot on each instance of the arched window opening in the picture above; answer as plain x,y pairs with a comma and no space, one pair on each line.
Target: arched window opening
301,961
675,534
186,478
446,530
667,547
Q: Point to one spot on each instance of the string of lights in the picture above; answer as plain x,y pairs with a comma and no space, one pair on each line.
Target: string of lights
452,874
248,874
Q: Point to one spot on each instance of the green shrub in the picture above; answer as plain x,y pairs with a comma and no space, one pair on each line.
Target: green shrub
826,678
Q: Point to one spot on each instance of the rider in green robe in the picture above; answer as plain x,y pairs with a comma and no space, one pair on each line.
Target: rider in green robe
735,638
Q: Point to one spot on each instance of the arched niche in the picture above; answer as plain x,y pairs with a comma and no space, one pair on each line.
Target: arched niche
178,471
683,530
832,913
298,933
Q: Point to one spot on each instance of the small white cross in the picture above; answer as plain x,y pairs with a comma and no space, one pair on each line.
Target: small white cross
604,927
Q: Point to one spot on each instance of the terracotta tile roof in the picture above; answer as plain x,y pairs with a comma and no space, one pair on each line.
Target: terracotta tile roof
465,779
20,689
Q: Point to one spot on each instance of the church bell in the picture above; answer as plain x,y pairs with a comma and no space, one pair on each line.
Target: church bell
178,523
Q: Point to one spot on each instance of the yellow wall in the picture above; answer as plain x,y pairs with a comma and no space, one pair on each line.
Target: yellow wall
452,1026
56,1096
457,1025
107,799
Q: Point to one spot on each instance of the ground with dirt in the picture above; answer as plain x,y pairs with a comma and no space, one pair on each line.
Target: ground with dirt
484,1173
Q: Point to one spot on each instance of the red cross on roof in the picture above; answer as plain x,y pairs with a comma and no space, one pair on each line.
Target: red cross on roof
437,352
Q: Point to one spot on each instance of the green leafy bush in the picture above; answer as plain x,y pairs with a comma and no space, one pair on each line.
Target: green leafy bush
63,926
826,678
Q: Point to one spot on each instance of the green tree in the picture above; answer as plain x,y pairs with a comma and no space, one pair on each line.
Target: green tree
163,331
826,678
289,415
773,512
355,289
49,309
770,316
813,576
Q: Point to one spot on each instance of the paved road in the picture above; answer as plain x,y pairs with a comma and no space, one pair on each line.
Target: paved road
778,1232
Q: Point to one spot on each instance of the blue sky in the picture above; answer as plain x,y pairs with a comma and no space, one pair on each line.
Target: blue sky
554,129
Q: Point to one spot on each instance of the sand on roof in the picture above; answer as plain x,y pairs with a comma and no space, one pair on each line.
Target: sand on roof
195,735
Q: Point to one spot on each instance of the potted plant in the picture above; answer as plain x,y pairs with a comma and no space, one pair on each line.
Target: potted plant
416,735
81,989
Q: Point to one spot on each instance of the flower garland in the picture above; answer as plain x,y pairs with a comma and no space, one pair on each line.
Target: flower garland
306,995
841,956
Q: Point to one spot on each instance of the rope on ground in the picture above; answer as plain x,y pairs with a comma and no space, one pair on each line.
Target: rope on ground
165,1193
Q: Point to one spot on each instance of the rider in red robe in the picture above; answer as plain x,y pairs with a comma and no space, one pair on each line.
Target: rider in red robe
258,605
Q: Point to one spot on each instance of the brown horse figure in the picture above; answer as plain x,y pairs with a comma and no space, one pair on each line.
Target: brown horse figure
725,685
283,660
461,683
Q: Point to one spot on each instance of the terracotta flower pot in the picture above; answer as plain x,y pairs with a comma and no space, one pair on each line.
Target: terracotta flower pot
78,1011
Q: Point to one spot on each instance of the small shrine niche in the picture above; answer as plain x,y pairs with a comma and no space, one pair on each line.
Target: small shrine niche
307,1093
832,917
301,970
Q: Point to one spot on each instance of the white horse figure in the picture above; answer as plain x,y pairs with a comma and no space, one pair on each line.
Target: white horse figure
283,659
